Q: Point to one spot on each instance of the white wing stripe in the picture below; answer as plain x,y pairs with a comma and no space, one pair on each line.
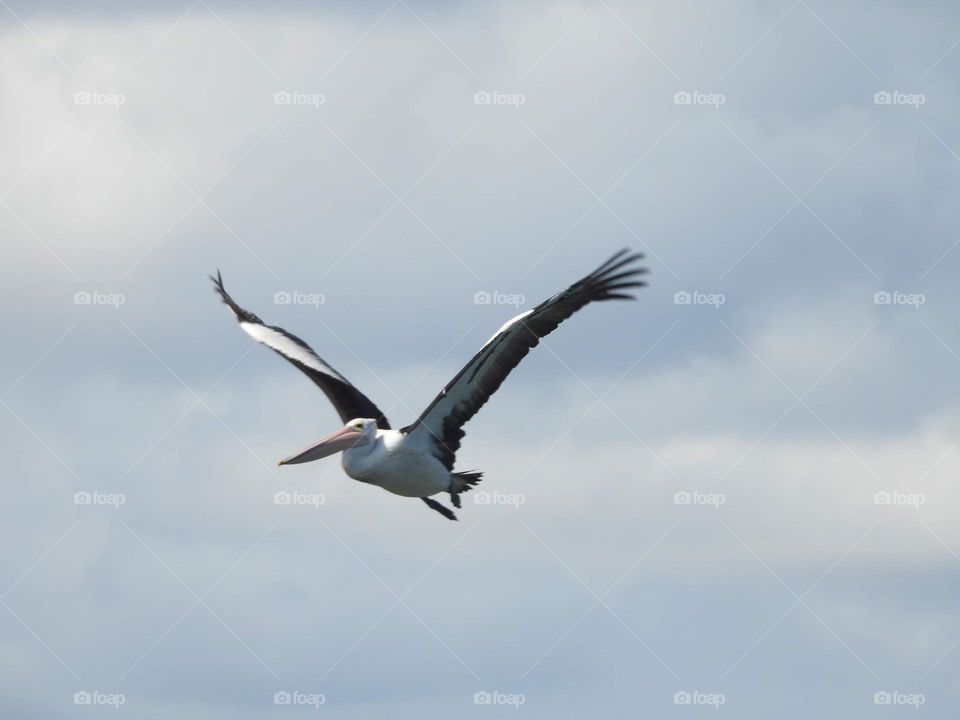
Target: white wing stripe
284,345
506,326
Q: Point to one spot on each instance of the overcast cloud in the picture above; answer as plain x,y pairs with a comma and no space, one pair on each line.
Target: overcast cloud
790,170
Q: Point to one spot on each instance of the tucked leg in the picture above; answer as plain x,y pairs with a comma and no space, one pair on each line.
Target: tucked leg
445,511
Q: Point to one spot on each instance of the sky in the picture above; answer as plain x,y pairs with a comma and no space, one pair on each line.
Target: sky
732,498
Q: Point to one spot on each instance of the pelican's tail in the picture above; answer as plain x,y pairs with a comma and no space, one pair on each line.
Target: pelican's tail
461,482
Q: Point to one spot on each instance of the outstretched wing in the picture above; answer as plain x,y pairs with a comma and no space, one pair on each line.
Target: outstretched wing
349,402
441,424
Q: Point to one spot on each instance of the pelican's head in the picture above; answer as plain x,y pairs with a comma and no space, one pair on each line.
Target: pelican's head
355,433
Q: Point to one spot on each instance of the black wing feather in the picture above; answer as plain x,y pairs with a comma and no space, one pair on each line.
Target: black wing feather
349,402
463,396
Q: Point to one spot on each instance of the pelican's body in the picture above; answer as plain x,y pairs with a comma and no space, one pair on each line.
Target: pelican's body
391,463
417,460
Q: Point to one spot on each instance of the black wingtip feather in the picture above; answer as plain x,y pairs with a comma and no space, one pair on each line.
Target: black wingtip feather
241,314
626,274
624,285
619,256
616,274
616,261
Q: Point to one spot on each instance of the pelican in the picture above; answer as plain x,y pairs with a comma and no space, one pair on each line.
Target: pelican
417,460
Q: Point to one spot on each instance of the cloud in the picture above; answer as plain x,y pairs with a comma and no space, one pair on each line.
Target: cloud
809,428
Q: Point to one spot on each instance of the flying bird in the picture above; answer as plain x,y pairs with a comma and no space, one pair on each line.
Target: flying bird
417,460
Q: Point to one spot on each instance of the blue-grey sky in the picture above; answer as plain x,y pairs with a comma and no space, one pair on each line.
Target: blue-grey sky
791,168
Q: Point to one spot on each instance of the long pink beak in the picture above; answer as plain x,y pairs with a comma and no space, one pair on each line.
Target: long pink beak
343,439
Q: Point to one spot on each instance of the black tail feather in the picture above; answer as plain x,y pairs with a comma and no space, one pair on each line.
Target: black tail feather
464,481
